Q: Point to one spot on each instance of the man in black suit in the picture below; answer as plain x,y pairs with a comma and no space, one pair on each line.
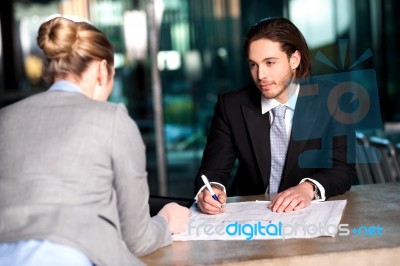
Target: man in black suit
318,161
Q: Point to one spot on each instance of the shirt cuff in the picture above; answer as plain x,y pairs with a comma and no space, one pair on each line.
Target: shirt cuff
211,183
319,186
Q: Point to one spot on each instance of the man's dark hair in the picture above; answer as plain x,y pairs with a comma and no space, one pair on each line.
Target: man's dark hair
287,34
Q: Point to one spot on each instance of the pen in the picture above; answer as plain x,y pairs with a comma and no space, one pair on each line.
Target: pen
205,180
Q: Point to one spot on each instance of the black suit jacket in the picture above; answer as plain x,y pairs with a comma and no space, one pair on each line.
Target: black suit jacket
320,147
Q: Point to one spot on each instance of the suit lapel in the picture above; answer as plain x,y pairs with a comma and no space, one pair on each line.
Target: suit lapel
302,128
258,126
258,130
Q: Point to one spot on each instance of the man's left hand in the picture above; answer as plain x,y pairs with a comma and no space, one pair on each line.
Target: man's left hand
293,199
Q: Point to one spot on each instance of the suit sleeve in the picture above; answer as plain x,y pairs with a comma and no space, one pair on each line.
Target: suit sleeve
219,154
339,142
142,234
338,178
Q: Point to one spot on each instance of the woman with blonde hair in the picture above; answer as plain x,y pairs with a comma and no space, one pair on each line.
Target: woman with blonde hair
73,180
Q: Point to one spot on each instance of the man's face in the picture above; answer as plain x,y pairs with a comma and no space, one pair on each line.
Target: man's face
271,69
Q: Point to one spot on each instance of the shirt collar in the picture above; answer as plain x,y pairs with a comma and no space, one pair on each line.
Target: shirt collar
63,85
268,104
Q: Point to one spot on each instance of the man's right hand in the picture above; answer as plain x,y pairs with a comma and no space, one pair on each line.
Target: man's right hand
207,204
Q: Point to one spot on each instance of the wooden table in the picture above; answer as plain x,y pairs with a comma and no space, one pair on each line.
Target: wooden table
367,205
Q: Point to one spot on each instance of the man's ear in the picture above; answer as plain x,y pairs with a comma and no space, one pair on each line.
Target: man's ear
294,60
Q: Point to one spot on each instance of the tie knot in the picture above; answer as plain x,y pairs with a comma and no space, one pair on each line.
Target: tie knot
279,111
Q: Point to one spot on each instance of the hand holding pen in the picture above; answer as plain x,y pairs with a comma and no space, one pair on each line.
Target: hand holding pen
211,200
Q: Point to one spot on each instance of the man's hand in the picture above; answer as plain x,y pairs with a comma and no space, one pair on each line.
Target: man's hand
207,204
293,199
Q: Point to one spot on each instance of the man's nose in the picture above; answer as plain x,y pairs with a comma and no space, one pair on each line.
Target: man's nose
261,72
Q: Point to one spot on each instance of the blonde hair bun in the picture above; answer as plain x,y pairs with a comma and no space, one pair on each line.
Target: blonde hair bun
70,46
57,37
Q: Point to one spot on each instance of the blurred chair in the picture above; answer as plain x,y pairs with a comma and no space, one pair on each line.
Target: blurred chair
389,163
397,150
363,168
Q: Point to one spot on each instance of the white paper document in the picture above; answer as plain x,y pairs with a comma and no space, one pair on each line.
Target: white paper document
253,220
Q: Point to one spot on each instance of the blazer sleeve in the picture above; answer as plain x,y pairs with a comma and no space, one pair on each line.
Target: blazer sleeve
338,178
219,154
142,234
332,161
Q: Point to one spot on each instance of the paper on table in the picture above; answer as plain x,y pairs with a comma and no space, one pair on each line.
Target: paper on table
253,220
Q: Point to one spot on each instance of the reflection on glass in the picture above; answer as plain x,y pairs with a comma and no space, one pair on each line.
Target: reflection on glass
168,60
318,20
135,35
